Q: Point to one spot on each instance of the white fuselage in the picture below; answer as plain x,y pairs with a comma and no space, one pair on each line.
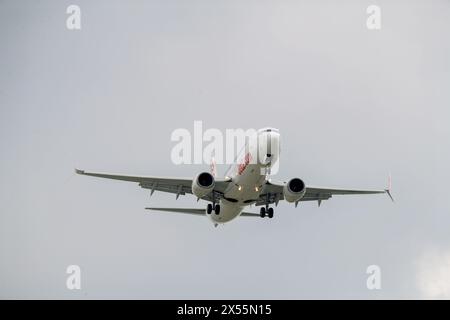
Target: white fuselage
249,174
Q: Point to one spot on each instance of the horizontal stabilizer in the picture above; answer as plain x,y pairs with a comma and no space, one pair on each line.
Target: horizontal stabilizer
181,210
197,211
250,214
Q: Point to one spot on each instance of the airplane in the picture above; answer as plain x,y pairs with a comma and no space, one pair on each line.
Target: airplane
247,182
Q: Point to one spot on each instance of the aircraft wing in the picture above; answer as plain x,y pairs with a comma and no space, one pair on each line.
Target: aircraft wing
321,193
178,186
273,191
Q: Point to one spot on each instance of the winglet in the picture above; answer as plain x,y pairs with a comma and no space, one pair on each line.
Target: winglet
213,167
78,171
389,188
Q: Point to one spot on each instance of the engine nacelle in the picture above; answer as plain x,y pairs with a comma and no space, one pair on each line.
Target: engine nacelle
203,184
294,190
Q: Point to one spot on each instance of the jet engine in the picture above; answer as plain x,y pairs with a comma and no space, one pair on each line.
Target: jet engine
294,190
203,184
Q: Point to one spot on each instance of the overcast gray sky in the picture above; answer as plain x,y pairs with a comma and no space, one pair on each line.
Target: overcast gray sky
351,104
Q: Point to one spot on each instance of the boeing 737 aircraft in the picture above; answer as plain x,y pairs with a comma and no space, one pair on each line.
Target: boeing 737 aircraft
246,183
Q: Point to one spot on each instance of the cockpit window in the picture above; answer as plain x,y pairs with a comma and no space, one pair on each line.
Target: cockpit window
268,130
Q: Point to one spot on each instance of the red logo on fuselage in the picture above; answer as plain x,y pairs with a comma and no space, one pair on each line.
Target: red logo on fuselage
244,164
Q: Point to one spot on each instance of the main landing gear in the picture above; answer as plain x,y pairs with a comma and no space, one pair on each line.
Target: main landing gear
210,207
265,210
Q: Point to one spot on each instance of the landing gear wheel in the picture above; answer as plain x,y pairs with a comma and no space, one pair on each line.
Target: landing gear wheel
209,208
270,214
262,212
217,209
